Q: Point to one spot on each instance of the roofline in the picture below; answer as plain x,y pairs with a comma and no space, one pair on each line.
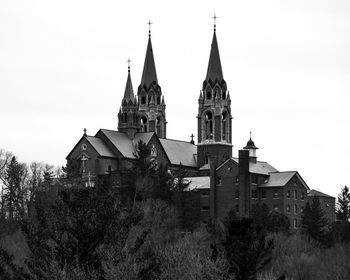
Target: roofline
75,146
110,140
95,148
227,160
177,140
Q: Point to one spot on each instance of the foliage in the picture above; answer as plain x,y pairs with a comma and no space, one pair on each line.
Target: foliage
314,223
246,247
343,205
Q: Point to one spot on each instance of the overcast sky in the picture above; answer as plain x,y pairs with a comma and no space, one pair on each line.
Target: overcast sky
286,64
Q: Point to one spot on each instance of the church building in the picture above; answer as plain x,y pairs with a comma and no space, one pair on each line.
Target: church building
221,181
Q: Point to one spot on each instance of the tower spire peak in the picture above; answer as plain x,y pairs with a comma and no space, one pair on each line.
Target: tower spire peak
149,27
128,61
214,18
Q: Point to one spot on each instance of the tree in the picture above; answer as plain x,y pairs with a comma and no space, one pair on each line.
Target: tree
343,205
48,174
5,159
246,248
14,190
313,221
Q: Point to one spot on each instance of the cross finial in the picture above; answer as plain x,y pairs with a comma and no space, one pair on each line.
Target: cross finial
250,134
192,142
214,17
84,131
149,27
128,61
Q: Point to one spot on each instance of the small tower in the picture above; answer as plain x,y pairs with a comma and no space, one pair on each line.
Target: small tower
252,149
128,118
150,99
214,112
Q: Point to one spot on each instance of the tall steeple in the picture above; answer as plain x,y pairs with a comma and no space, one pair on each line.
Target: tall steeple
150,99
214,111
128,118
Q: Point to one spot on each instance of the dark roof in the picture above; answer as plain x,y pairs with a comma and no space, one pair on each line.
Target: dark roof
100,146
129,92
317,193
149,73
180,152
250,145
259,167
214,67
278,179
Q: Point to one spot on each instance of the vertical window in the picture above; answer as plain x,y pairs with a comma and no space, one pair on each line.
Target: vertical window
125,117
288,208
208,125
206,159
143,99
288,193
224,125
143,124
237,179
302,209
263,194
295,223
237,208
158,126
302,196
158,100
224,95
237,193
254,179
275,194
219,180
295,209
275,207
295,194
254,194
208,95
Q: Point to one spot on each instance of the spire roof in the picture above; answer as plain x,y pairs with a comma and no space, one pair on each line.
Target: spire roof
149,73
129,92
214,67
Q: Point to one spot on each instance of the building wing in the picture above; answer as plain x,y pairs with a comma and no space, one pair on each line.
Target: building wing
180,152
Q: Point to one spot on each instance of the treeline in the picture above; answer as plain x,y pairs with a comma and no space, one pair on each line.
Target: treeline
145,230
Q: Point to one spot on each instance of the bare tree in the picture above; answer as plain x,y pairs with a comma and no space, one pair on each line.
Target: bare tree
5,158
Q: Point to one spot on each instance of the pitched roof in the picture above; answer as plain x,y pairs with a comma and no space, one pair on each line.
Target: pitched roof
259,167
278,179
100,146
180,152
149,73
317,193
198,183
214,67
129,92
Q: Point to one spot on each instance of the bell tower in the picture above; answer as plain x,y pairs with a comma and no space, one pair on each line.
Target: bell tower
150,100
214,112
128,118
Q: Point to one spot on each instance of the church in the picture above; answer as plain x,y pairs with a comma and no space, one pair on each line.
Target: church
221,181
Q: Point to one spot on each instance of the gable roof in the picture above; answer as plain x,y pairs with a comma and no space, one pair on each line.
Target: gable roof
100,146
317,193
259,167
198,183
180,152
280,179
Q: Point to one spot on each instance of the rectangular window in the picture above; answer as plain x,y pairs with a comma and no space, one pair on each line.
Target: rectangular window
302,196
275,208
205,193
254,194
254,179
263,194
302,209
237,193
288,208
219,181
288,193
295,209
295,223
237,208
205,208
237,179
295,194
275,194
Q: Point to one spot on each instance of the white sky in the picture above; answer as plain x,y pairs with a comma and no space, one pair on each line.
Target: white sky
286,63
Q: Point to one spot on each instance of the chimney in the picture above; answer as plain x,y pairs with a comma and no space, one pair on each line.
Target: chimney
244,181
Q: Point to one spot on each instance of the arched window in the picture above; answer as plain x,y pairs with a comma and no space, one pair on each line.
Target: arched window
223,94
143,99
158,100
143,124
208,95
158,126
125,118
216,93
208,125
224,125
206,159
149,99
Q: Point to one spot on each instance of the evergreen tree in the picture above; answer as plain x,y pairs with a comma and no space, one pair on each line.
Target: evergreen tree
48,174
313,221
343,205
246,248
14,192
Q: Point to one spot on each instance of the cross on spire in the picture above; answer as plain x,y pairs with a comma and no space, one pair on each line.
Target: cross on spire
192,142
128,61
214,17
149,27
250,133
84,131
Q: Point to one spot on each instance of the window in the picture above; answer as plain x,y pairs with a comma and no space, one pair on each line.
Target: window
208,96
223,95
302,209
275,207
158,126
295,209
263,194
208,125
237,193
218,180
237,208
295,194
205,208
254,179
206,159
158,100
224,125
302,196
288,193
295,223
254,194
149,99
143,100
275,194
205,193
143,124
237,179
288,208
